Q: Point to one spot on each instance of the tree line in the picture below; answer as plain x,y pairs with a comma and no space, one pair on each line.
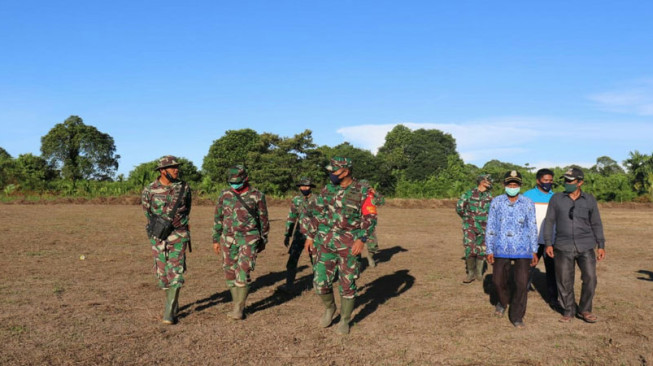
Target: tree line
79,160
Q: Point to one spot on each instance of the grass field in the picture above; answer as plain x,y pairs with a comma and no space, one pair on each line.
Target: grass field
412,308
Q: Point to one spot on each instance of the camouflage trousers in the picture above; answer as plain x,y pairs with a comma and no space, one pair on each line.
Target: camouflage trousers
474,242
170,258
239,257
334,257
372,243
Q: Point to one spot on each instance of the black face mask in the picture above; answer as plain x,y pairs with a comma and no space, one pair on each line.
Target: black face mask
305,192
335,179
170,178
546,187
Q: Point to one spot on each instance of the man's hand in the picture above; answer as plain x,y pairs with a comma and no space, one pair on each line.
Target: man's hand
308,245
357,248
286,241
549,251
600,254
534,260
216,248
490,258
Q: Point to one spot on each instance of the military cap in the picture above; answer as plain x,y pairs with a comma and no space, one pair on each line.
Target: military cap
482,177
236,174
167,161
512,176
573,174
305,182
338,162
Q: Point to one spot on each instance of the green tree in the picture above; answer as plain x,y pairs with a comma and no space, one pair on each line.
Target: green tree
6,168
606,166
80,151
235,147
640,168
33,172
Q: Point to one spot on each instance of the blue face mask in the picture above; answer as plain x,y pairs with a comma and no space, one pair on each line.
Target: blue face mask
512,192
546,187
335,179
237,186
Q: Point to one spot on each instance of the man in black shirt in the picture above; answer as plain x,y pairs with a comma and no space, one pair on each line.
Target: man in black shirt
575,216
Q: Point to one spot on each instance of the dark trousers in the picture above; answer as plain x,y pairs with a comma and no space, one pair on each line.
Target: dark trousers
295,251
500,276
565,266
549,267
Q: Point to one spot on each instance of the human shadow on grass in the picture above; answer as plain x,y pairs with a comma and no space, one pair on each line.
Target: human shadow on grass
225,296
302,284
379,291
382,256
647,273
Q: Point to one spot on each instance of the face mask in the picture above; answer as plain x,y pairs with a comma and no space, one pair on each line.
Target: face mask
512,192
546,187
570,188
335,179
237,186
305,192
169,177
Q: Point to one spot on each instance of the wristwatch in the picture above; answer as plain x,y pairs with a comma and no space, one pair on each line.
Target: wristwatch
364,239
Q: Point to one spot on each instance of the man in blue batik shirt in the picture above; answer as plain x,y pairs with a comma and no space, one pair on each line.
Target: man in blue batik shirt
511,236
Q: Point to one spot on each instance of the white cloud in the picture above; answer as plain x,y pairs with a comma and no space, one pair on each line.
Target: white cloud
522,140
636,98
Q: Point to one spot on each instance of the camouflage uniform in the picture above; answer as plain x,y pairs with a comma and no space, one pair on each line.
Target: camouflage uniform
169,255
296,227
339,217
473,207
240,235
372,242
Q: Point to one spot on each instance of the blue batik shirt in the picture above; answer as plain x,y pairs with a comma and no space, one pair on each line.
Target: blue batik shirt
511,228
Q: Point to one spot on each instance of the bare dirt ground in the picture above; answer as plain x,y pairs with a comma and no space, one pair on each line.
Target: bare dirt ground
412,308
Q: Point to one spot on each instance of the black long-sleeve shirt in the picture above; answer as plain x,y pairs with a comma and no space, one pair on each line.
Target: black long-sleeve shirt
577,223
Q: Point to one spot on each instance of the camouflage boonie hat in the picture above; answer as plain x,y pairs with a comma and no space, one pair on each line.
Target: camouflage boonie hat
236,174
305,182
482,177
338,162
167,161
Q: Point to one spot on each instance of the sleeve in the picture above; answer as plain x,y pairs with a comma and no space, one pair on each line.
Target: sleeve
263,217
532,227
292,218
597,225
217,220
315,212
461,205
549,221
145,202
368,211
492,229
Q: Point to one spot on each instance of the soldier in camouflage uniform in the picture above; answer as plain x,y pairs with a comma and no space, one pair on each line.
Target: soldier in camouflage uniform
158,199
473,207
372,242
296,227
240,234
342,219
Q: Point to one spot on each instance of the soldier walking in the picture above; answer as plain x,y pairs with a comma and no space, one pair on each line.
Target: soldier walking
240,232
372,243
166,203
342,219
473,207
296,227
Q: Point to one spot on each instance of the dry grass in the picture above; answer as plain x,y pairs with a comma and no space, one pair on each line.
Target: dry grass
412,309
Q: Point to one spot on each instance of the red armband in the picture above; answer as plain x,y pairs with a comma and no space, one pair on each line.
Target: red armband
368,206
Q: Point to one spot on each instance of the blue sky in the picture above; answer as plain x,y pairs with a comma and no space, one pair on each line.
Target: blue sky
545,83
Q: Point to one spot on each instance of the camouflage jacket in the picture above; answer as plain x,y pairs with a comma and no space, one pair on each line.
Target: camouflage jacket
298,214
231,216
343,210
158,199
473,206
